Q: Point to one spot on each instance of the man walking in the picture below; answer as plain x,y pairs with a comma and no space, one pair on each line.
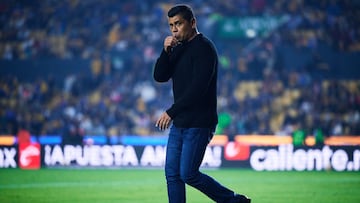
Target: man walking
190,60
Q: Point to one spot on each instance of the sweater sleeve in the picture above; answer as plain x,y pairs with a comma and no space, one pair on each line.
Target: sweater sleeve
162,69
204,69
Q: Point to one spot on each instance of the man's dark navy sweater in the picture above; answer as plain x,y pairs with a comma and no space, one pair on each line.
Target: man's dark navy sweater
192,66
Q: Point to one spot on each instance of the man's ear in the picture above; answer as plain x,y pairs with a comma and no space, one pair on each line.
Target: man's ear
193,23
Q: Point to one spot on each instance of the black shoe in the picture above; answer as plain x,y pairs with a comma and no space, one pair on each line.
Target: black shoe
241,199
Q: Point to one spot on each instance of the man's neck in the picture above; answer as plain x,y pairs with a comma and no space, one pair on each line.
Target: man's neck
193,35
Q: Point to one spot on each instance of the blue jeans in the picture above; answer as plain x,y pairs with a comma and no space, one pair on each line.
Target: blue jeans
185,151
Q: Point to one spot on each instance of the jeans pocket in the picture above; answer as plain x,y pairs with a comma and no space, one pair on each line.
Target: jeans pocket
201,133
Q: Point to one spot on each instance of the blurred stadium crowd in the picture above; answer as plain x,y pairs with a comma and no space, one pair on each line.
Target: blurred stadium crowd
122,39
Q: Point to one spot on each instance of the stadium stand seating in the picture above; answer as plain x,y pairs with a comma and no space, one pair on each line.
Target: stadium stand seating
302,75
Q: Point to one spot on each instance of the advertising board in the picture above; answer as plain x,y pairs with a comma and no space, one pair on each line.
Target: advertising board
231,155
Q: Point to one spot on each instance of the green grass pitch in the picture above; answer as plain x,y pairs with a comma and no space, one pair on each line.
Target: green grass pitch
149,186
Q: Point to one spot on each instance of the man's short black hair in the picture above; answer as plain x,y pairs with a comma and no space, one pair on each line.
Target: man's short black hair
184,10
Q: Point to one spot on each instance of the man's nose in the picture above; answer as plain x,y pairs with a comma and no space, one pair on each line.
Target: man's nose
174,29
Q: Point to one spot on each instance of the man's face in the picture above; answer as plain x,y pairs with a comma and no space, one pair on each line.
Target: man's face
181,29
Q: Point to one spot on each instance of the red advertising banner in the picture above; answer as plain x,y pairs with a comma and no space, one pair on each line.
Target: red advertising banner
29,156
236,151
